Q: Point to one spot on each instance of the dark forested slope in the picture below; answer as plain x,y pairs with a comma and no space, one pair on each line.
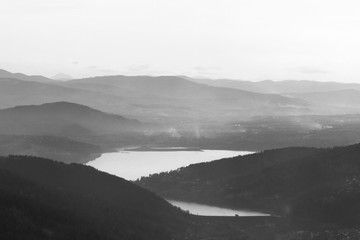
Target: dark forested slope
321,184
58,148
42,199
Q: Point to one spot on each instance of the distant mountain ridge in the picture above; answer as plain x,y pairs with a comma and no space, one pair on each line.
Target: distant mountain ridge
168,86
175,100
176,97
151,99
20,76
14,92
279,87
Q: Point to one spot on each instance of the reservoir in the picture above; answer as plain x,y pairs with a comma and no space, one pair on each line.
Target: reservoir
132,165
206,210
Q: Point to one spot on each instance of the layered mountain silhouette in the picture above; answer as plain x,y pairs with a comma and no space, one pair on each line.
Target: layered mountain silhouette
305,188
166,99
194,111
175,99
14,92
21,76
171,97
178,97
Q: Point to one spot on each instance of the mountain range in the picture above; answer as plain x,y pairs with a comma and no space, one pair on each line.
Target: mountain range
308,191
279,87
177,97
184,112
167,99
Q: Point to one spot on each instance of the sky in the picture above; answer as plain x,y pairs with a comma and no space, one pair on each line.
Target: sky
236,39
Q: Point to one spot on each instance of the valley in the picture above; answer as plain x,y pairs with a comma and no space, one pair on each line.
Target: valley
285,160
179,120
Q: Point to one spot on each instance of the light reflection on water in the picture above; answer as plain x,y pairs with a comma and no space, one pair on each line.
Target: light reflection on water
206,210
132,165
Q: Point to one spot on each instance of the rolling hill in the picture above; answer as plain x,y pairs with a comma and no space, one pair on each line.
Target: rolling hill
310,183
14,92
68,132
63,119
42,199
57,148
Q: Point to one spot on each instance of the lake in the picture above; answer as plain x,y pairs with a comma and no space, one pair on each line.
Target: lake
206,210
132,165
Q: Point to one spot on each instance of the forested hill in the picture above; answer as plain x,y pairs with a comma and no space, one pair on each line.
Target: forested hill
63,119
320,184
43,199
58,148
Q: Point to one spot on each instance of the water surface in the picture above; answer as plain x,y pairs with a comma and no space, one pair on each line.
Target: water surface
206,210
132,165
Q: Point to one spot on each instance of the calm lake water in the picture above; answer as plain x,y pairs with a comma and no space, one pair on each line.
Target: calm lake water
206,210
132,165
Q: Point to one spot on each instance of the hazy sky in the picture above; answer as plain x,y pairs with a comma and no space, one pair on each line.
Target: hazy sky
242,39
